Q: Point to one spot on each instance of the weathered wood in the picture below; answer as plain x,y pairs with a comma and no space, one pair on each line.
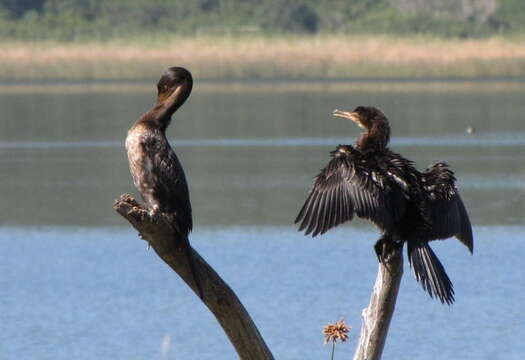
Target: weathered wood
377,316
218,296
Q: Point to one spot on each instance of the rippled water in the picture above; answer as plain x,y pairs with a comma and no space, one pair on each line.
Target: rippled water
77,283
88,293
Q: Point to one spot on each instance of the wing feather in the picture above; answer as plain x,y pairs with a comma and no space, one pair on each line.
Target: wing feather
170,188
348,185
447,213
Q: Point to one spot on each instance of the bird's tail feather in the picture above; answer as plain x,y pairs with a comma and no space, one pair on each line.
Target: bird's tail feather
430,273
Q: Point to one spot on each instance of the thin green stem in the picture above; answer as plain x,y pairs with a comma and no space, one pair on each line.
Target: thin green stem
333,350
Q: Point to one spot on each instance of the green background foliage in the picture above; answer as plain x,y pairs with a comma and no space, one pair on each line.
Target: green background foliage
73,20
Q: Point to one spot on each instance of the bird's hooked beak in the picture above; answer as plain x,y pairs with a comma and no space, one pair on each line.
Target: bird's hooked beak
169,93
354,116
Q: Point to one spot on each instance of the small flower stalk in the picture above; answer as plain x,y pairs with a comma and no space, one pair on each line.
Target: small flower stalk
334,332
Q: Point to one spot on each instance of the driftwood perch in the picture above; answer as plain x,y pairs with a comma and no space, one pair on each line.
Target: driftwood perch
229,311
218,296
377,316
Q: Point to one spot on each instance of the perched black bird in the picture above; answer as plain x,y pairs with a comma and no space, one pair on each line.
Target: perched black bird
374,183
156,170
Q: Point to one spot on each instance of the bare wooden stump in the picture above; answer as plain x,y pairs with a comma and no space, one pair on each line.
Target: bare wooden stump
377,316
229,311
218,296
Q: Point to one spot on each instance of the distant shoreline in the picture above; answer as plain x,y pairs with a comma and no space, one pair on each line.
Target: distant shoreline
290,58
243,86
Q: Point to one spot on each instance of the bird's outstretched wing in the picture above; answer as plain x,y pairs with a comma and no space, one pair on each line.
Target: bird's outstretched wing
447,214
350,184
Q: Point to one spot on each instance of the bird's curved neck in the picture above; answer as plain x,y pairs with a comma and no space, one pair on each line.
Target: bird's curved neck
167,104
376,138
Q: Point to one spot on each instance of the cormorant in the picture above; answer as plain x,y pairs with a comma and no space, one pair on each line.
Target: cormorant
156,170
375,183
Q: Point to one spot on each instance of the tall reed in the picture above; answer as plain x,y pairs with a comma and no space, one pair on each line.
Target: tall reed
256,57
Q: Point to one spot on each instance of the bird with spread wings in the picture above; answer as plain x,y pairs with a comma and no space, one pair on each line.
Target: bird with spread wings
370,181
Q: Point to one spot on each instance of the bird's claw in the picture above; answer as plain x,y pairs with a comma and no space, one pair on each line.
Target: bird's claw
379,248
385,249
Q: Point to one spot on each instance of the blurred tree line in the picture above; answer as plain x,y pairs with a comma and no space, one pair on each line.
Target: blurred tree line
69,20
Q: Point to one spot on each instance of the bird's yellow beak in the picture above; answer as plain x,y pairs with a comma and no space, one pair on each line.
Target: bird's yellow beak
349,115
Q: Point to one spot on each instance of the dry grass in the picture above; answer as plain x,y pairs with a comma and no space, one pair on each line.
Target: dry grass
266,57
284,87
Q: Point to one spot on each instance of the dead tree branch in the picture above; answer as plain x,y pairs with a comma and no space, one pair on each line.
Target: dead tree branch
229,311
377,316
218,296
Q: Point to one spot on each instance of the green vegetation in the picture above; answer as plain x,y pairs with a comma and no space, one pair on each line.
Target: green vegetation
255,39
81,20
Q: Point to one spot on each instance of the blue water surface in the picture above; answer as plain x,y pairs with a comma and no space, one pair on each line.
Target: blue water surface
76,282
100,293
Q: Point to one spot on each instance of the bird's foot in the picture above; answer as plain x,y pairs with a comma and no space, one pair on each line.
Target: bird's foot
385,248
129,199
378,247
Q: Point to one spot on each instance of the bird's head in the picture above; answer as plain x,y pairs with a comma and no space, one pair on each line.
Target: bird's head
363,116
175,81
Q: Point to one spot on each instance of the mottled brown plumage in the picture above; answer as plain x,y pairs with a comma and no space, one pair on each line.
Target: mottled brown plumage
157,172
372,182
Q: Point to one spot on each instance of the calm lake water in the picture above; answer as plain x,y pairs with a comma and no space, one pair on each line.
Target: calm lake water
77,283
